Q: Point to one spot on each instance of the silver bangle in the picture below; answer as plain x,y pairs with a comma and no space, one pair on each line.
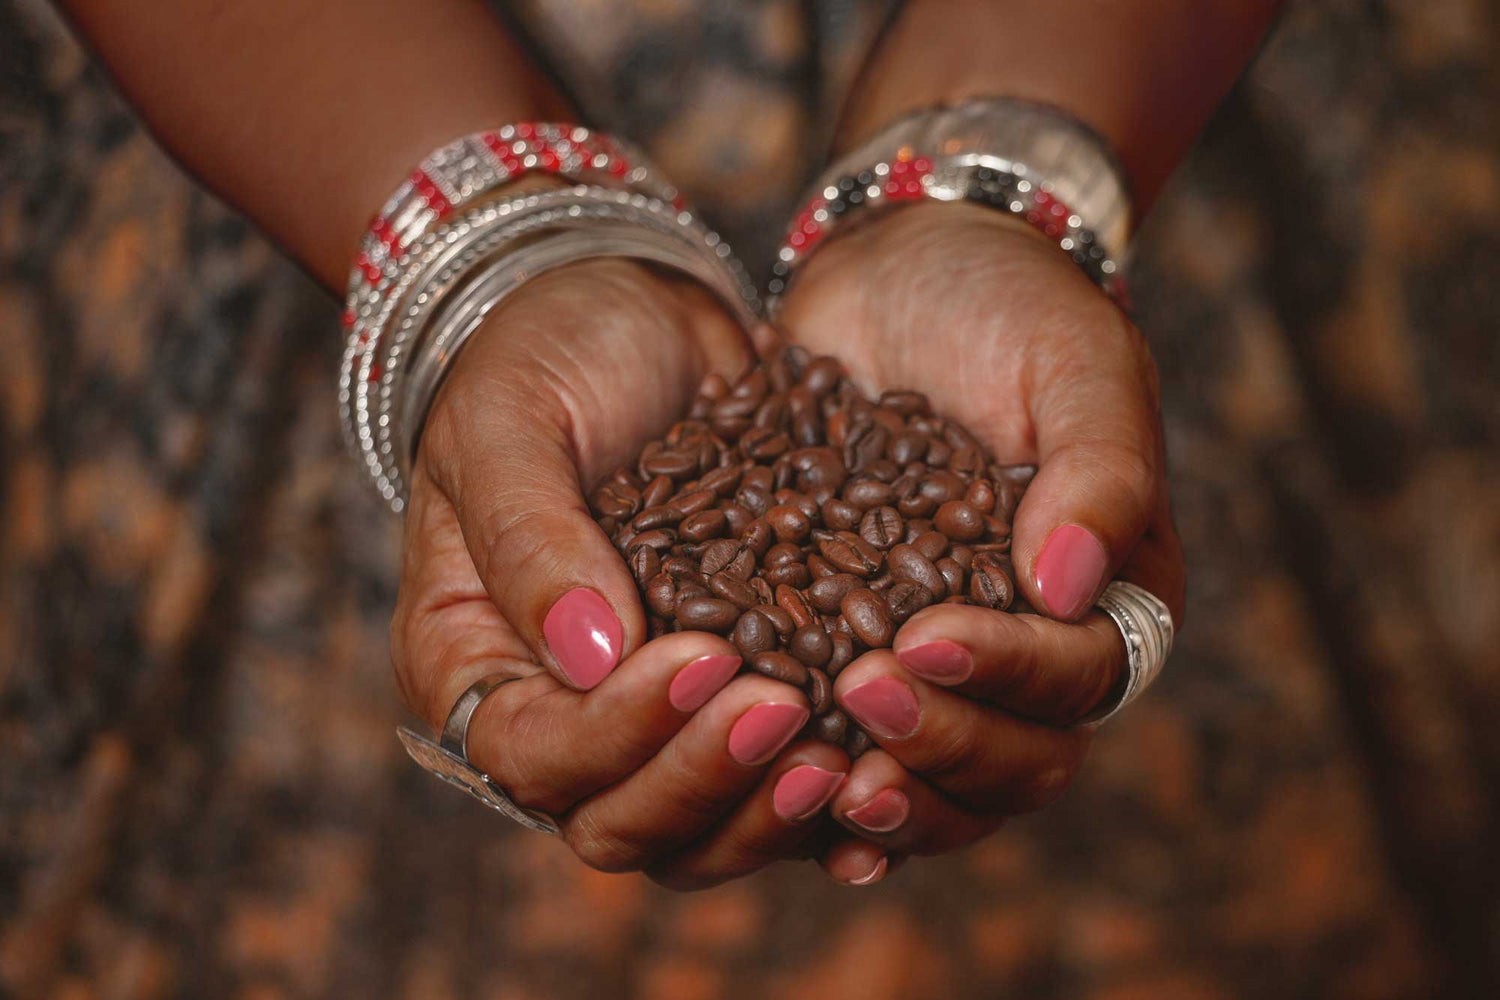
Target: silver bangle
442,272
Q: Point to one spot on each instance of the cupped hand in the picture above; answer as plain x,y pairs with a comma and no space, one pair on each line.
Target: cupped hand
652,755
974,711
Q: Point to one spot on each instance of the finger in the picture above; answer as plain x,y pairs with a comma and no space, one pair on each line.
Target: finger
695,780
532,408
445,632
989,760
770,825
887,805
855,861
1034,667
551,746
1100,471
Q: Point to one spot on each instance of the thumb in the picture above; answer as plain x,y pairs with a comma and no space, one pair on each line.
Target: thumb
1097,483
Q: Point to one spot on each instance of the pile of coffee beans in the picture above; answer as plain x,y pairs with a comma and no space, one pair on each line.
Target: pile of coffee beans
806,522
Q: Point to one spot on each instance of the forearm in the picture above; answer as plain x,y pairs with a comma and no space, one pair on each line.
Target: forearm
1146,74
307,115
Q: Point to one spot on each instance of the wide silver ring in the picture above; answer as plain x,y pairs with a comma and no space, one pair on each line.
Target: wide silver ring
1146,625
449,758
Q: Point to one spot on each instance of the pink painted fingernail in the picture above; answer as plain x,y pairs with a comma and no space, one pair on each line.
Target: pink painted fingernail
585,637
942,661
885,706
882,814
700,680
761,732
1069,569
803,790
876,874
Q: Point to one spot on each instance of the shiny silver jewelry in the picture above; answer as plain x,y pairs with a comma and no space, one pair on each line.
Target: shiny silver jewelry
455,274
449,759
1145,623
1029,160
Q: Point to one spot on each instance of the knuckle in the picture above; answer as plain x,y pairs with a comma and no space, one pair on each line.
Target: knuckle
600,848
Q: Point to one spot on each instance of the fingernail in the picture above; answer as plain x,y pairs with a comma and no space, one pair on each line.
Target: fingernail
885,706
876,874
942,661
760,733
1069,569
803,790
585,637
700,680
882,814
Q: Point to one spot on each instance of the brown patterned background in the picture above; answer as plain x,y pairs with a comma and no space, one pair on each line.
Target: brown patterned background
200,794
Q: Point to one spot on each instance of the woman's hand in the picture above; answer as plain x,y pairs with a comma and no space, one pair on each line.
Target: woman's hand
650,754
973,710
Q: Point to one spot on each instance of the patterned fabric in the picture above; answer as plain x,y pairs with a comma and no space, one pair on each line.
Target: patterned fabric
200,792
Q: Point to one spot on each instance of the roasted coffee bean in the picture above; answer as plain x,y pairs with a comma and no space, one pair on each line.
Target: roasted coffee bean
916,528
657,492
864,443
780,619
753,385
779,666
916,505
966,462
734,590
661,516
905,599
932,544
819,690
763,590
723,480
660,539
938,453
827,593
688,504
907,446
644,564
707,614
941,486
661,594
820,567
719,553
963,555
615,500
882,527
830,727
789,575
671,463
811,645
688,590
736,518
806,504
959,521
656,627
772,412
754,633
908,563
953,576
793,603
905,402
995,529
981,496
893,422
840,515
868,617
1019,476
857,743
781,554
788,522
990,582
843,652
884,470
704,525
849,558
765,443
822,376
867,493
758,537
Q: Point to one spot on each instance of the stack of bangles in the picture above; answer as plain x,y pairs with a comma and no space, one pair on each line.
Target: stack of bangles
451,243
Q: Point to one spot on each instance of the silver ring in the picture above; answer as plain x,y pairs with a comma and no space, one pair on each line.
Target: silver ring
1145,623
449,759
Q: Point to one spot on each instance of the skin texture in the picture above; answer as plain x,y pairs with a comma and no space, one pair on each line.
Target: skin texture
1050,372
536,409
